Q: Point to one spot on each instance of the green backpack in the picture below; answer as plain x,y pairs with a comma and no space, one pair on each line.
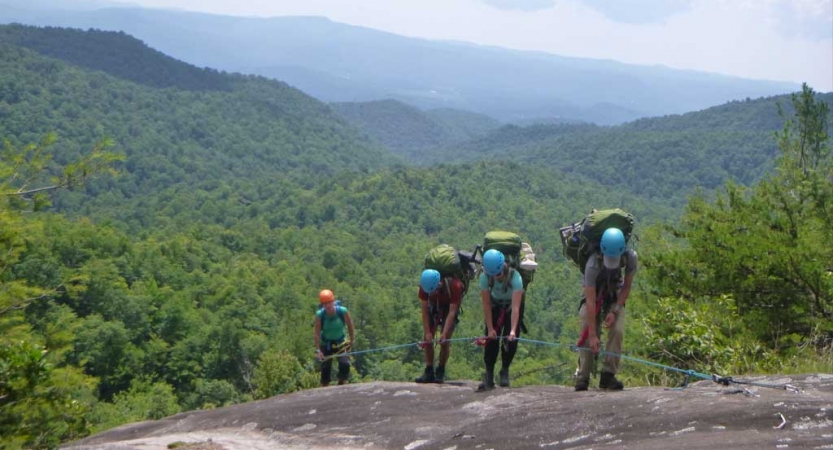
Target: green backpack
450,262
580,240
511,246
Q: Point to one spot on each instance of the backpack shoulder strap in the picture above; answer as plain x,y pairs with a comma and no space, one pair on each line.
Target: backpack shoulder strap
447,282
323,315
507,281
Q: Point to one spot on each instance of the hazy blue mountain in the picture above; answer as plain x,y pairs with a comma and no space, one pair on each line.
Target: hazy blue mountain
407,130
341,63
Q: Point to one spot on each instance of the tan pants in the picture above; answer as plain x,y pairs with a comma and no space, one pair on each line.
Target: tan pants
615,336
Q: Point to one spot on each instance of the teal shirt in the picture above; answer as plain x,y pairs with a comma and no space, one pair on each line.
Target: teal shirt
332,327
501,294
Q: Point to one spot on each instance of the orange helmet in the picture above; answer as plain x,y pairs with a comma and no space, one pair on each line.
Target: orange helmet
326,296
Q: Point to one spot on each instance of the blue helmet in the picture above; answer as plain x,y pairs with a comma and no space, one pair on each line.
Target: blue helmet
613,242
429,281
493,261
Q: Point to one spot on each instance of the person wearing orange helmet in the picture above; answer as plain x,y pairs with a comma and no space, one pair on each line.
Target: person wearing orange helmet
330,320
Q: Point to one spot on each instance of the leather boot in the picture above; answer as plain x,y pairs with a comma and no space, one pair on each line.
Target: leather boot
427,376
488,382
609,381
439,374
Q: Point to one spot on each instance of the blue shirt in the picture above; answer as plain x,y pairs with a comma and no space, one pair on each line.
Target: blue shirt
501,293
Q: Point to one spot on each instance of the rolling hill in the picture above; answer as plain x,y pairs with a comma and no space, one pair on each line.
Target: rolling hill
407,130
661,157
173,121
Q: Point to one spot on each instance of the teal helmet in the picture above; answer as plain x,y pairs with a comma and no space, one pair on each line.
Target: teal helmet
429,281
613,242
493,261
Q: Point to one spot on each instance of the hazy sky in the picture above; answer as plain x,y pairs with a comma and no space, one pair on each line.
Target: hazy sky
790,40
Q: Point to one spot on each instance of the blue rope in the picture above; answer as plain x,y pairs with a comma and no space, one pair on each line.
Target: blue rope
631,358
372,350
688,373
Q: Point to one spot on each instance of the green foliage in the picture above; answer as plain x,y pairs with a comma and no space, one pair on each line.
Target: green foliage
408,131
39,404
209,394
118,54
762,246
43,402
279,373
143,401
664,158
703,336
222,125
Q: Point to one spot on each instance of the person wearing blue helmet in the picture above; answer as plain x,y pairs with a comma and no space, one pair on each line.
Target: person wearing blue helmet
440,298
501,292
603,281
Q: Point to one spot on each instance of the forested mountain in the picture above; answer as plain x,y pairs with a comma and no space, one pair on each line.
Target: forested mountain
340,63
662,158
119,55
174,122
190,279
465,123
406,130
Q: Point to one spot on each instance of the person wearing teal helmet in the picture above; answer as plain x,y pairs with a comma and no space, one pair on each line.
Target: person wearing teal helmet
603,281
501,293
493,262
440,299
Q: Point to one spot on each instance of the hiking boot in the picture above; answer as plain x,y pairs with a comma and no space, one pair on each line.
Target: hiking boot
582,384
609,381
488,382
439,374
504,377
340,382
427,376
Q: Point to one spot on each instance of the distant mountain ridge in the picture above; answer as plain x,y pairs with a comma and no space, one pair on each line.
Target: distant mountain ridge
135,62
173,121
342,63
662,157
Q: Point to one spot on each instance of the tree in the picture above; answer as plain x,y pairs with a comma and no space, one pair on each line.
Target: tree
41,404
766,247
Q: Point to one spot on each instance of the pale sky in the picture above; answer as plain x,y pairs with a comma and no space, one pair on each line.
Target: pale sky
784,40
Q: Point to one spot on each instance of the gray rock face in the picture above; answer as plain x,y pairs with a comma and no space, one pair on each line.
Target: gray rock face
386,415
